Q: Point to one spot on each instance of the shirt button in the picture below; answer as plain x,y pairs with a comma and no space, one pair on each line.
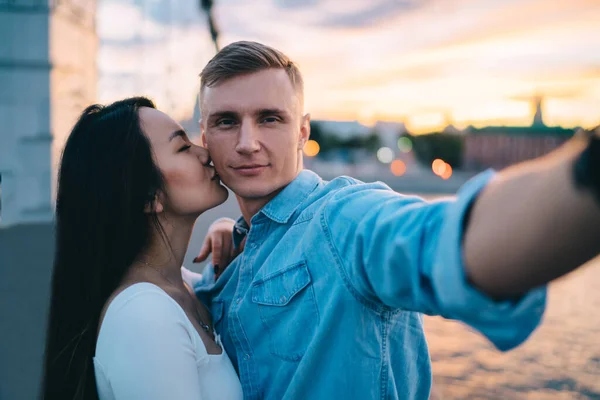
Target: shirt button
239,300
282,299
246,356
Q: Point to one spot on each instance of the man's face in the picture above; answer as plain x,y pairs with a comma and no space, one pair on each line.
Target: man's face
254,130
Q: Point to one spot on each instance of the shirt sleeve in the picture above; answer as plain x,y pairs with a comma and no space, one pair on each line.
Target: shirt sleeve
207,279
406,253
151,353
191,278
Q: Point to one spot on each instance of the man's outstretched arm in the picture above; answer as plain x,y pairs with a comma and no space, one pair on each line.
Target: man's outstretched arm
530,225
525,227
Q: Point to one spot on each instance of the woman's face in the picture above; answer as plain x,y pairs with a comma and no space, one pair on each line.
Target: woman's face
190,183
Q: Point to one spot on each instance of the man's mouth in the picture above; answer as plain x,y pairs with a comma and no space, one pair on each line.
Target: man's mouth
250,169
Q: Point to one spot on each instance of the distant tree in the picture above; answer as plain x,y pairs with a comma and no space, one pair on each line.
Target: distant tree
326,140
329,141
316,132
447,146
372,142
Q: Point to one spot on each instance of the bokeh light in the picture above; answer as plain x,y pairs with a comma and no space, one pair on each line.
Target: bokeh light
398,167
405,144
385,155
438,166
311,148
447,172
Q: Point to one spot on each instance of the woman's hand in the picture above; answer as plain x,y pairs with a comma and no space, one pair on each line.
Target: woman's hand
219,242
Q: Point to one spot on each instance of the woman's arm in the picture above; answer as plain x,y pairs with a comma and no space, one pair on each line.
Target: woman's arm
219,242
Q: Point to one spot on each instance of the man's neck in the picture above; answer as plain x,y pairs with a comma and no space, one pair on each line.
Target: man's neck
251,207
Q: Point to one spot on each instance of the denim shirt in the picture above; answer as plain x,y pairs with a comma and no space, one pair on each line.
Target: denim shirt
327,299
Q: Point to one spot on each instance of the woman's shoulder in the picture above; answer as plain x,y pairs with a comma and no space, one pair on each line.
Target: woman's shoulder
142,311
141,318
141,302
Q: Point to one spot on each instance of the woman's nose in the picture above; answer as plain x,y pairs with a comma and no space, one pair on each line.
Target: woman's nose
203,154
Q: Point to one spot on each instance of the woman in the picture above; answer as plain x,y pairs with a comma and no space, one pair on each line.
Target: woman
123,323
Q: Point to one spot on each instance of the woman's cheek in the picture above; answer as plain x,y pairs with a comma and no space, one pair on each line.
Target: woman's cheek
175,177
187,175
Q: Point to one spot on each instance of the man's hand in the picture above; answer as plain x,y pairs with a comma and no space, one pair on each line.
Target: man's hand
219,242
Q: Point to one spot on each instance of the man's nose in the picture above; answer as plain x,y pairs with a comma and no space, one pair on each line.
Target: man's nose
248,138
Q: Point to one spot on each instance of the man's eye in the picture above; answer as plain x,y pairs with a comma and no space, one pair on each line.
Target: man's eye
270,120
184,148
225,122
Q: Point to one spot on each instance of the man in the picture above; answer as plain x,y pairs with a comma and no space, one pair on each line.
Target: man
326,300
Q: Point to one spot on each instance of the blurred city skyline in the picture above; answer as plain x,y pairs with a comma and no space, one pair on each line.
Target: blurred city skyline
427,63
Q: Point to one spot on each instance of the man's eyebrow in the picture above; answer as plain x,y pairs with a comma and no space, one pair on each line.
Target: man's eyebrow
221,114
271,111
178,133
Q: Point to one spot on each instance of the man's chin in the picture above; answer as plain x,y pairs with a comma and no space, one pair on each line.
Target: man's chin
253,192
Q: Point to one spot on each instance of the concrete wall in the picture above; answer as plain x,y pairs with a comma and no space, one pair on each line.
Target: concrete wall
26,255
25,136
47,76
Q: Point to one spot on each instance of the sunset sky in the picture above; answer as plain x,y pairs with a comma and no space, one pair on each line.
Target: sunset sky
423,62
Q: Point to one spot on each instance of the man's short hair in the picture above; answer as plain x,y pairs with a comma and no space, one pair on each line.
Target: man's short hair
246,57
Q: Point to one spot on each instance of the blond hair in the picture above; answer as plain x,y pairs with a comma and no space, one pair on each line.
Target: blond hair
246,57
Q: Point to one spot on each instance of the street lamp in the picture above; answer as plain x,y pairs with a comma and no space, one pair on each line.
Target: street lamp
206,6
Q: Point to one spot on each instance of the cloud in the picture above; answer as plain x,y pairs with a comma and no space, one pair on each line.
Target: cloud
124,22
372,13
379,57
295,4
510,18
182,13
141,56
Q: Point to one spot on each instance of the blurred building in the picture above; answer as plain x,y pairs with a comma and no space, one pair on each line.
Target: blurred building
389,133
500,146
344,129
47,76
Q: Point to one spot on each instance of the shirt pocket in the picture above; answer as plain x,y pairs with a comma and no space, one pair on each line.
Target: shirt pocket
288,310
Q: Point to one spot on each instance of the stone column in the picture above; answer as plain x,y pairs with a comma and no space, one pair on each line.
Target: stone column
47,75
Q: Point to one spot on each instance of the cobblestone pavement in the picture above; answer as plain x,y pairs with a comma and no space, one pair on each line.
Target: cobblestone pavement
561,360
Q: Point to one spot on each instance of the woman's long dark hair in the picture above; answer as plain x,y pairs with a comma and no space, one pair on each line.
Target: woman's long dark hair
107,177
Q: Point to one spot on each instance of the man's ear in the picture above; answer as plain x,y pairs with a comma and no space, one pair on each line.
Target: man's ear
202,134
304,131
154,207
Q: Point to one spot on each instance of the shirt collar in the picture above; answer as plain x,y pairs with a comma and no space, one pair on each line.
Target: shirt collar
240,230
283,206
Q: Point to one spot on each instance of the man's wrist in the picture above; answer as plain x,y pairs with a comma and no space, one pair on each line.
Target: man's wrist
586,169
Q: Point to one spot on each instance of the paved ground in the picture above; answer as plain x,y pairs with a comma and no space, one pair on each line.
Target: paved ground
561,360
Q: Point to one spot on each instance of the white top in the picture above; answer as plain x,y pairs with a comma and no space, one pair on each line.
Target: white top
148,349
